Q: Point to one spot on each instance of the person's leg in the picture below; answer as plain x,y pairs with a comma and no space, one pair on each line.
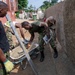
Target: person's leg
41,48
52,43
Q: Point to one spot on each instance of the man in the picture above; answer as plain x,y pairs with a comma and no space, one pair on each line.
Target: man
9,34
36,27
4,45
52,26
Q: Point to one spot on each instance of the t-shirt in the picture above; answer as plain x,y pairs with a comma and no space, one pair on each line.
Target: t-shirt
36,28
4,45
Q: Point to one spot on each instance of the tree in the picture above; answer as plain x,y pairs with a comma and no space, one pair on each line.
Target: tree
22,4
45,5
53,2
31,8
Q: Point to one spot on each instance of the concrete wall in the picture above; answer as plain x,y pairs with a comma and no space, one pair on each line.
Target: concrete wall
69,26
57,12
64,13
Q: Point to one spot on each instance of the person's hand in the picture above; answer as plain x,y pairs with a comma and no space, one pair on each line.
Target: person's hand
8,65
29,45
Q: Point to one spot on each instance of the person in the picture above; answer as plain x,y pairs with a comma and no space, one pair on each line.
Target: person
36,27
4,45
9,34
52,26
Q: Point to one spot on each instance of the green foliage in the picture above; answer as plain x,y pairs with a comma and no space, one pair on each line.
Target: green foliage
30,8
53,2
22,4
47,4
17,14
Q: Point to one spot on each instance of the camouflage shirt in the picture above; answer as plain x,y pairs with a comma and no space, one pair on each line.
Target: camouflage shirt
36,28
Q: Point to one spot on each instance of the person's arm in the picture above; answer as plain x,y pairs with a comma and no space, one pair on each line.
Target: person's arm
47,31
43,24
2,56
18,25
32,37
22,33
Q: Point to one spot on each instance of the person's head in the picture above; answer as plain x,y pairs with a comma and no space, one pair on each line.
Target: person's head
3,9
26,25
50,20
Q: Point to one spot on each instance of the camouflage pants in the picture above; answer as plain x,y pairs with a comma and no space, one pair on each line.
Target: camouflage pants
53,39
41,41
9,36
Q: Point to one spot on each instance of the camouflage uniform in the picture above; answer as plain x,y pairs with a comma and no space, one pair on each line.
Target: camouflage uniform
53,39
41,41
9,36
41,31
51,23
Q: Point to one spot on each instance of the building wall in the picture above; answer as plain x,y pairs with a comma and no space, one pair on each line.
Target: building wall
64,13
69,26
13,6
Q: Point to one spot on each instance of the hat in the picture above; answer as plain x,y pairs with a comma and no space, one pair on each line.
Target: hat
7,24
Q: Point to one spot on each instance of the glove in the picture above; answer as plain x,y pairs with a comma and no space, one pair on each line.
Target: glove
8,65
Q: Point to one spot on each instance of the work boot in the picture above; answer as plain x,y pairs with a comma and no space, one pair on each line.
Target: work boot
55,53
42,56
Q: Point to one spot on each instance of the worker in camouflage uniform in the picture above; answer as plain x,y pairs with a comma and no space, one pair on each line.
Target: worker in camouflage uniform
9,34
36,27
52,26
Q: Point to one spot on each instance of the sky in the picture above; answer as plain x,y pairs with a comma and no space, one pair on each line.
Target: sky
36,3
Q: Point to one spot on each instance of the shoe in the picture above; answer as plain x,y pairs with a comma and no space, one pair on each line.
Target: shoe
41,59
42,56
55,53
8,65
